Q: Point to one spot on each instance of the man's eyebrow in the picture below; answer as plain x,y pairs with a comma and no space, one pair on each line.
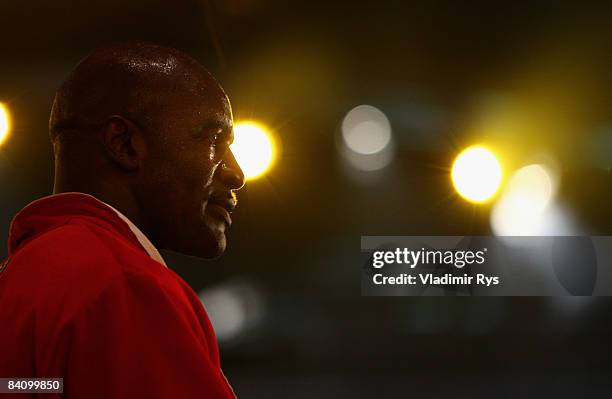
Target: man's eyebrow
214,124
227,129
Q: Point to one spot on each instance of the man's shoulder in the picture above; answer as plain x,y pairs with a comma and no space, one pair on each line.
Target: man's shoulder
69,267
75,244
80,252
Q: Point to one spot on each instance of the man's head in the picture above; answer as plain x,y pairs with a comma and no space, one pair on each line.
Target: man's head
147,129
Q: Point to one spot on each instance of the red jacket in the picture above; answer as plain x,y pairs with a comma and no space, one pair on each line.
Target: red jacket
80,299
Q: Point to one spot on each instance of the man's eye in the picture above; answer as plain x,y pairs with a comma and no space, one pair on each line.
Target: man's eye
215,138
220,138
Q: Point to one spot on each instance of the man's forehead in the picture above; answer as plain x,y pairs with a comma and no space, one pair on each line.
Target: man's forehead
218,110
195,92
193,80
217,114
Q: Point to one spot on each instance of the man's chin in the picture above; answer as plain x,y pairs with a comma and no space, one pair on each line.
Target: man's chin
213,246
216,251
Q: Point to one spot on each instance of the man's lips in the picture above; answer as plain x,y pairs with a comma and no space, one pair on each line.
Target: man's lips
220,211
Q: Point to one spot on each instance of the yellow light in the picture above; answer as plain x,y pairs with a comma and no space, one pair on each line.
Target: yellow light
5,123
253,148
476,174
522,207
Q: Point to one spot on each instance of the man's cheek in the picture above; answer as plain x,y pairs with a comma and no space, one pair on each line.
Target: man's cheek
210,169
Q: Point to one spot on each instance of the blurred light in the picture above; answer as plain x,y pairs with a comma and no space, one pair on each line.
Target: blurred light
476,174
366,130
5,123
253,148
523,208
233,308
370,162
366,140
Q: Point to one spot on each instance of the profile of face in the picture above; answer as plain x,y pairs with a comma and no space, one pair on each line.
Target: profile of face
165,127
188,175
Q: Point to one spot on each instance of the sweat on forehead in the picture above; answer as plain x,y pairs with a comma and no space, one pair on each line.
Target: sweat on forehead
129,79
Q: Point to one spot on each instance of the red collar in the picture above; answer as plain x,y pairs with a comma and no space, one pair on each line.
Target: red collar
53,211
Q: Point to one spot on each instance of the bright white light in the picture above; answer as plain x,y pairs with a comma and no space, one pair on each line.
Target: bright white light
531,186
5,123
366,130
476,174
365,142
226,312
523,208
233,308
253,148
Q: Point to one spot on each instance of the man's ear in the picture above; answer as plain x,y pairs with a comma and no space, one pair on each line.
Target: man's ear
123,142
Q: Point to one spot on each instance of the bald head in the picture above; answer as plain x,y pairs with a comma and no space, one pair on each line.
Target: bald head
134,80
147,129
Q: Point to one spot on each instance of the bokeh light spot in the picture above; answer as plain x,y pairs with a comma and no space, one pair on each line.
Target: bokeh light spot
476,174
5,123
522,208
366,130
253,148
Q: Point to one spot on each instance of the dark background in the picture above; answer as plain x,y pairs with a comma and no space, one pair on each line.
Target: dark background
287,293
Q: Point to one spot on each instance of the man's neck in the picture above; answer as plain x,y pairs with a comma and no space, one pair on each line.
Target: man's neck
117,197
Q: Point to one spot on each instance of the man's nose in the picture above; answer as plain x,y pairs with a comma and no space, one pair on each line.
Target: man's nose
230,172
